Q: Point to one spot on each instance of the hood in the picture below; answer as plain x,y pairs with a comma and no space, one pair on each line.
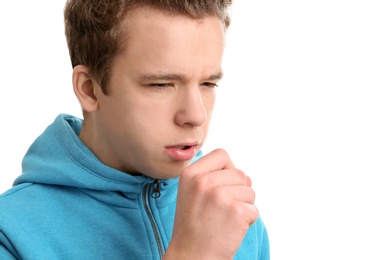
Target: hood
59,157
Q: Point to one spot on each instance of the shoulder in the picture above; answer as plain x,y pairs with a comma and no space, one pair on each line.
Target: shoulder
28,198
13,193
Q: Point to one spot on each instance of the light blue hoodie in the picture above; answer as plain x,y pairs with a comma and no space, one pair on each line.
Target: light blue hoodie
69,205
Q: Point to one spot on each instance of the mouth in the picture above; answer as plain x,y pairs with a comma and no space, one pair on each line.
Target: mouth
182,152
183,147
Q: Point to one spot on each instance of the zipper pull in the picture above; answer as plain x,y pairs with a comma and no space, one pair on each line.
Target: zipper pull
156,189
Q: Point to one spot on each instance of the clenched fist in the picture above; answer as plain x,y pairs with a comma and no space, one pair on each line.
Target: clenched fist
214,209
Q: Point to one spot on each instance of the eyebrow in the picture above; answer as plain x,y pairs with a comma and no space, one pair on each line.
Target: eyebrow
174,76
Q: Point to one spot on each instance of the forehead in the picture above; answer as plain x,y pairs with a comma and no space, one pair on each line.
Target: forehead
159,39
143,17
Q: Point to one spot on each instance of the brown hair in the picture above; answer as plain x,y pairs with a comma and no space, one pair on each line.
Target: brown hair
94,34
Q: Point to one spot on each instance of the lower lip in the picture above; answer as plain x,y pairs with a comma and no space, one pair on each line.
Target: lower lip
181,155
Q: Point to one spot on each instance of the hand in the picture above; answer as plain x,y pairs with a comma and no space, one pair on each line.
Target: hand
214,209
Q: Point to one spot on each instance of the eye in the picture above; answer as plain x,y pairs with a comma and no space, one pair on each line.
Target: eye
210,84
161,85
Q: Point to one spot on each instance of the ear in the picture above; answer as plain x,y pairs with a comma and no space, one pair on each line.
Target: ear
83,87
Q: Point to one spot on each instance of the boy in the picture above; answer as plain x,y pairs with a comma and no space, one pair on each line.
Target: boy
108,186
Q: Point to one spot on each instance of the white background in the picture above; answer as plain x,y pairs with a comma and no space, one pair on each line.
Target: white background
304,109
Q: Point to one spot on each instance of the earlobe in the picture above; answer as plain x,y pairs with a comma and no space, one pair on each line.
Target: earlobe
83,87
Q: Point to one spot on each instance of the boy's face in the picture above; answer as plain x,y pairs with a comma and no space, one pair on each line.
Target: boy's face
162,92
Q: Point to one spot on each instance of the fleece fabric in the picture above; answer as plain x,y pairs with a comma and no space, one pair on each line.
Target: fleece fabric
67,204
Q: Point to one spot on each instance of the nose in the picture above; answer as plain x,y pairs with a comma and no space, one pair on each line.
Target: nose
191,110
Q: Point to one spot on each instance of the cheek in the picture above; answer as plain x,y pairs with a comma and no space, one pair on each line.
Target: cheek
148,120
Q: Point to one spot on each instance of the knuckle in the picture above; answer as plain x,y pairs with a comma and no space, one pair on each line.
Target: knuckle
200,183
252,195
245,214
239,212
218,194
241,176
221,152
186,172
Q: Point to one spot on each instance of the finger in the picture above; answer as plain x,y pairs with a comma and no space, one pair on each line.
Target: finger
213,161
252,213
248,181
226,177
240,193
245,212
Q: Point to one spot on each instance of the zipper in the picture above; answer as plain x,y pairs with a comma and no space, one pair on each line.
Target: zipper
155,194
156,189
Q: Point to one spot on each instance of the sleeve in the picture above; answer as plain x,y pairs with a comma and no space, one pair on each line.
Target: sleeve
264,245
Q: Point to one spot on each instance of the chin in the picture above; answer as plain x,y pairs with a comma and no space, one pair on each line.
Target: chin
170,171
